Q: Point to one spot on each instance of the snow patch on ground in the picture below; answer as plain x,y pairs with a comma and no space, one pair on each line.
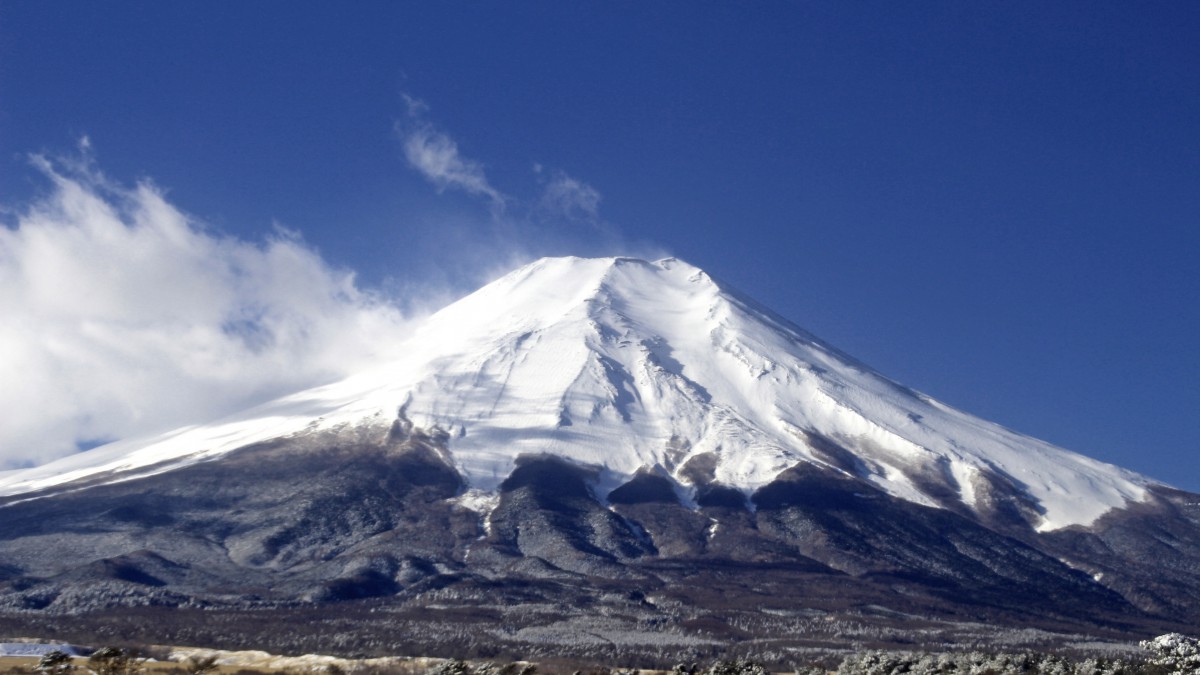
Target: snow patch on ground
308,663
711,531
482,503
36,648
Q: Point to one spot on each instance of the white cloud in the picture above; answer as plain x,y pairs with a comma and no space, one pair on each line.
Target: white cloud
567,197
435,155
123,316
563,198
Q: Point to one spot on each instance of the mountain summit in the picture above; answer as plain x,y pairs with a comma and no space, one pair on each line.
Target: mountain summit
636,366
629,437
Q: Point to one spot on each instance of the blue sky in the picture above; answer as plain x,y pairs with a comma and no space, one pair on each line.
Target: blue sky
995,203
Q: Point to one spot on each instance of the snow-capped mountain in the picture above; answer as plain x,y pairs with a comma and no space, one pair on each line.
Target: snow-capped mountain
631,365
630,437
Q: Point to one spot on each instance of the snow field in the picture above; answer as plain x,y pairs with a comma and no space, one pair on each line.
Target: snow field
625,364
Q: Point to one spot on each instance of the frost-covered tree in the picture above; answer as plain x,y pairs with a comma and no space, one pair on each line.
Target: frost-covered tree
113,661
980,663
738,667
54,663
200,665
1178,654
453,667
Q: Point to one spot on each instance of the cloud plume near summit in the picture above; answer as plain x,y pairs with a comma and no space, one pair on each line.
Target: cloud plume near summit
124,316
435,155
560,215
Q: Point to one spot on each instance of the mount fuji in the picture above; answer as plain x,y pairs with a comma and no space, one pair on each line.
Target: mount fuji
603,454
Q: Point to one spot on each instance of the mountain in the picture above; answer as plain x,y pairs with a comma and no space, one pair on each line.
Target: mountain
600,456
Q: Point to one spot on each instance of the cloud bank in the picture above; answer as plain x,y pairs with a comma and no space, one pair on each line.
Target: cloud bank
123,316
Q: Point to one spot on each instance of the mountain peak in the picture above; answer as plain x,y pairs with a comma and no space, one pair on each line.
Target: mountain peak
630,366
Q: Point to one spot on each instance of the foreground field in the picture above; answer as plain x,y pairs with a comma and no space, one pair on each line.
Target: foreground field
1171,654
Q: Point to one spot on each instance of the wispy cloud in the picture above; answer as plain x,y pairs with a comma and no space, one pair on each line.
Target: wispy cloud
561,216
125,316
567,197
436,156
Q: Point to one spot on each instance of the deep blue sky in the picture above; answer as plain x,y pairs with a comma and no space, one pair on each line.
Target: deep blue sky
995,203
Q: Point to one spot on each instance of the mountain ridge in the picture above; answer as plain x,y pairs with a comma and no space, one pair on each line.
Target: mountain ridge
615,362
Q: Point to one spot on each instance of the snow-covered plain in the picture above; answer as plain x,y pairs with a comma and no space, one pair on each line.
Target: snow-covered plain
33,648
626,364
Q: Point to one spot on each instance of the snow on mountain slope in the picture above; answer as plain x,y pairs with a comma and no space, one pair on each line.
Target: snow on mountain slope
627,364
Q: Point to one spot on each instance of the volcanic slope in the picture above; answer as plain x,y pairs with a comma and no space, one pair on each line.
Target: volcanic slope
629,365
615,425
